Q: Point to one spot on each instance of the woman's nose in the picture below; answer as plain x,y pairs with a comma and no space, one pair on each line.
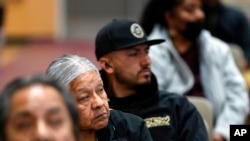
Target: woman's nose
97,101
42,132
199,14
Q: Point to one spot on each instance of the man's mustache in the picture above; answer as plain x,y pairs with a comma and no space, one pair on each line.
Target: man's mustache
145,69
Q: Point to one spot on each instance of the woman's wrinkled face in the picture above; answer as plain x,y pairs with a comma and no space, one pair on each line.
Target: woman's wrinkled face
92,101
37,113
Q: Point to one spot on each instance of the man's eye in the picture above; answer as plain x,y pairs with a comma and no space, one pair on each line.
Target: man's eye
132,54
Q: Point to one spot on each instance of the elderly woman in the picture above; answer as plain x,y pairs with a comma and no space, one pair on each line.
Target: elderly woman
97,121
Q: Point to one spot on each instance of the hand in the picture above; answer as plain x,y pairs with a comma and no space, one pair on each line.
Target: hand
218,137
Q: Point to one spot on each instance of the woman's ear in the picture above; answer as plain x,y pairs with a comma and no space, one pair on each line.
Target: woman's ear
106,65
168,16
169,19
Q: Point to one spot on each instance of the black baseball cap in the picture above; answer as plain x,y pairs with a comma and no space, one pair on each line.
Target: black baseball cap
120,34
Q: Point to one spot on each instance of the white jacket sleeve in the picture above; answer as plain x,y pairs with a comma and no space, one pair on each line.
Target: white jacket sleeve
236,104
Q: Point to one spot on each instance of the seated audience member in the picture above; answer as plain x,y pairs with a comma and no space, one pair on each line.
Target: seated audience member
241,63
194,63
238,56
122,51
37,108
97,121
228,24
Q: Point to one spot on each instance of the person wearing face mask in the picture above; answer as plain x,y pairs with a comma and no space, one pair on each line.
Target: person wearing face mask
192,62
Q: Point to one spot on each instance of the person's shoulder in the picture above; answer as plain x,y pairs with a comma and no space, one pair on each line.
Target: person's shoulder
231,10
173,98
121,116
170,95
176,102
233,13
128,126
211,43
125,123
156,32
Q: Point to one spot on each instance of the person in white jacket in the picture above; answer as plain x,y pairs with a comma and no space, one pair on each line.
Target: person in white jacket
191,62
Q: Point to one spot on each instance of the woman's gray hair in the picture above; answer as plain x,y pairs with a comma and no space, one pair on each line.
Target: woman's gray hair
68,67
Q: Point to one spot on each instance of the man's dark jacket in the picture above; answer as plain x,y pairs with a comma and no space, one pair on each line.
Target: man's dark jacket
169,117
124,127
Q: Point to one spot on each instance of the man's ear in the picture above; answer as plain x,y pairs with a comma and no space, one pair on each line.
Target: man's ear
106,65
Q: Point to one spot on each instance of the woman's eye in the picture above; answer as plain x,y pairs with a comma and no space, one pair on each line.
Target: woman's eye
56,122
24,125
190,9
100,91
84,98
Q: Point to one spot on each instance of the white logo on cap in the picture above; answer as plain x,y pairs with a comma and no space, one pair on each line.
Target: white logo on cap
136,30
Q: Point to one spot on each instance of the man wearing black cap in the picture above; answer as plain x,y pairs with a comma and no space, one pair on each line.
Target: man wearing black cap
122,51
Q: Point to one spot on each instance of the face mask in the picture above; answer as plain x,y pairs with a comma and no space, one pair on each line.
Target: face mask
193,30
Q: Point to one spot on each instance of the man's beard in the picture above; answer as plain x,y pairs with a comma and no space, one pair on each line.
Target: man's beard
131,84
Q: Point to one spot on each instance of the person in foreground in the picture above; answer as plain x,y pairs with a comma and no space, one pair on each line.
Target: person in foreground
192,62
122,51
97,121
36,108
